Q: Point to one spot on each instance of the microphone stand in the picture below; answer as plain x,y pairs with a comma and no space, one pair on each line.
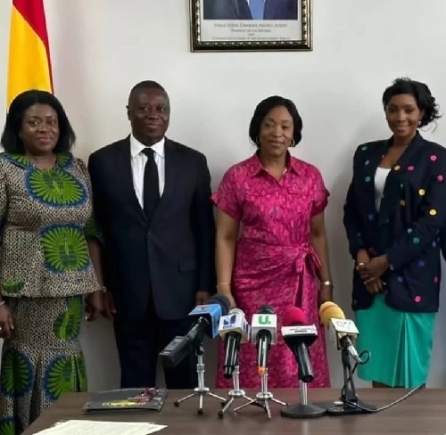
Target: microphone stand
201,391
303,409
235,393
264,397
349,401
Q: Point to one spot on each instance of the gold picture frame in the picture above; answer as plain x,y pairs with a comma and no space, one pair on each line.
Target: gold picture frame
229,25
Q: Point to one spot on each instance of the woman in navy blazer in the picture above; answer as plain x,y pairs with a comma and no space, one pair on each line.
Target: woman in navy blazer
394,211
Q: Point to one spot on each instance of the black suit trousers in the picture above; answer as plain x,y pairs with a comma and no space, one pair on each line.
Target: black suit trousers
139,343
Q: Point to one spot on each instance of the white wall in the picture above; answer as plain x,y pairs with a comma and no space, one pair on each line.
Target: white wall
101,48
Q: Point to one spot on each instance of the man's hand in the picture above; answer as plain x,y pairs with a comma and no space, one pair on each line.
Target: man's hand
202,297
94,305
109,306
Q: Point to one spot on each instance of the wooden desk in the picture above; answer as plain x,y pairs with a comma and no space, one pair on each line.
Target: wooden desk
421,414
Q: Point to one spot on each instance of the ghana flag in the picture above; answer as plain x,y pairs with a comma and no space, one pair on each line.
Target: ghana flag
29,54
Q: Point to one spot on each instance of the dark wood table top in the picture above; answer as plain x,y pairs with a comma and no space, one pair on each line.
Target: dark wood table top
422,414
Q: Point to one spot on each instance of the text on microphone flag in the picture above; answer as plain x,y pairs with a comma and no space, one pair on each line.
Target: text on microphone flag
199,309
345,326
264,319
299,330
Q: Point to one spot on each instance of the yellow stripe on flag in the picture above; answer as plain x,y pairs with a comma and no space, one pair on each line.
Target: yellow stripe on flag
29,66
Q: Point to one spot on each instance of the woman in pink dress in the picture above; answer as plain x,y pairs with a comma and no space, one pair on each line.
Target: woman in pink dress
280,257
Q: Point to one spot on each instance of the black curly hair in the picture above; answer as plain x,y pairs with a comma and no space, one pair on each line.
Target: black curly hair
422,94
264,107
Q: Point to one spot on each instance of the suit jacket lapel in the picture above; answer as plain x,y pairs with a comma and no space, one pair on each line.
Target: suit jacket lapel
171,166
367,178
242,9
270,8
124,167
392,190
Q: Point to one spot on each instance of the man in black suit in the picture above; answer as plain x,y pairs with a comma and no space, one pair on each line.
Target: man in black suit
250,9
152,201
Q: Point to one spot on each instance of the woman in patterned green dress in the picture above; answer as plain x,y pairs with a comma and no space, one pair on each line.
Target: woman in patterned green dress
49,260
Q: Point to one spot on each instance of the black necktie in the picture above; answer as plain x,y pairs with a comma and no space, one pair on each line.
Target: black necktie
151,192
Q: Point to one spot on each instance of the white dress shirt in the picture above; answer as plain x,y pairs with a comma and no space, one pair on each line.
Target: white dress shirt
139,160
249,4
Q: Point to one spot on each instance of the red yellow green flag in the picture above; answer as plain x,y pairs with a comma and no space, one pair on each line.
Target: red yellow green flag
29,54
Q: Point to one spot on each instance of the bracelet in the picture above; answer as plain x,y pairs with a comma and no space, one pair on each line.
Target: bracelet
327,283
221,284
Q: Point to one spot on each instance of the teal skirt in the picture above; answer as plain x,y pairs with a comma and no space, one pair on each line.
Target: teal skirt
400,345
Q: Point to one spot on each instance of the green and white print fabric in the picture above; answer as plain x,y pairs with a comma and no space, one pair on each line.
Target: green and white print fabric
46,214
42,362
45,269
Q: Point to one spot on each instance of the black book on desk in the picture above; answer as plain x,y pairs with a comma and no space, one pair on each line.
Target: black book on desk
129,399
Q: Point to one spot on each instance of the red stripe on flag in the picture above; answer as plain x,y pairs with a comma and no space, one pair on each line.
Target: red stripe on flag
33,11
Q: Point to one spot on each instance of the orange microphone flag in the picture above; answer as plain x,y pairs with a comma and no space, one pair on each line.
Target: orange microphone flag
29,53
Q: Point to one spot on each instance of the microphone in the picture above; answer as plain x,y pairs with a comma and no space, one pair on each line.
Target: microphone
298,336
208,317
263,335
233,329
340,329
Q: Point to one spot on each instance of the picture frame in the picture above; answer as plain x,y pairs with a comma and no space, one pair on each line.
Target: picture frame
235,25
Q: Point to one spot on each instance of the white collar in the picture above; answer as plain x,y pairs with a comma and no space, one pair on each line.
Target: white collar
136,147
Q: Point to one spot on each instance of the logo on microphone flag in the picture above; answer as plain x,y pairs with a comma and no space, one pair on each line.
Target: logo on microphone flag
229,322
264,320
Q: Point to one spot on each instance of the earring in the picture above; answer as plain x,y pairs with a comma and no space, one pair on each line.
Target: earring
293,143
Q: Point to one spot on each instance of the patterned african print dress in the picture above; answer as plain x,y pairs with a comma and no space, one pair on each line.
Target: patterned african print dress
45,269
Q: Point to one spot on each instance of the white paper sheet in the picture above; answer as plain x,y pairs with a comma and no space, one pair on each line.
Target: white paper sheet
88,427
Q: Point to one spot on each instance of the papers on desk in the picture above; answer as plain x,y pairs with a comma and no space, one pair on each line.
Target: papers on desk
86,427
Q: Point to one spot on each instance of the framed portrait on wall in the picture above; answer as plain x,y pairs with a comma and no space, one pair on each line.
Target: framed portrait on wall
251,25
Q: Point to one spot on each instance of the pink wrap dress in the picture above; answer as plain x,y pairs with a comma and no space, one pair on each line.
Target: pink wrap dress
275,263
